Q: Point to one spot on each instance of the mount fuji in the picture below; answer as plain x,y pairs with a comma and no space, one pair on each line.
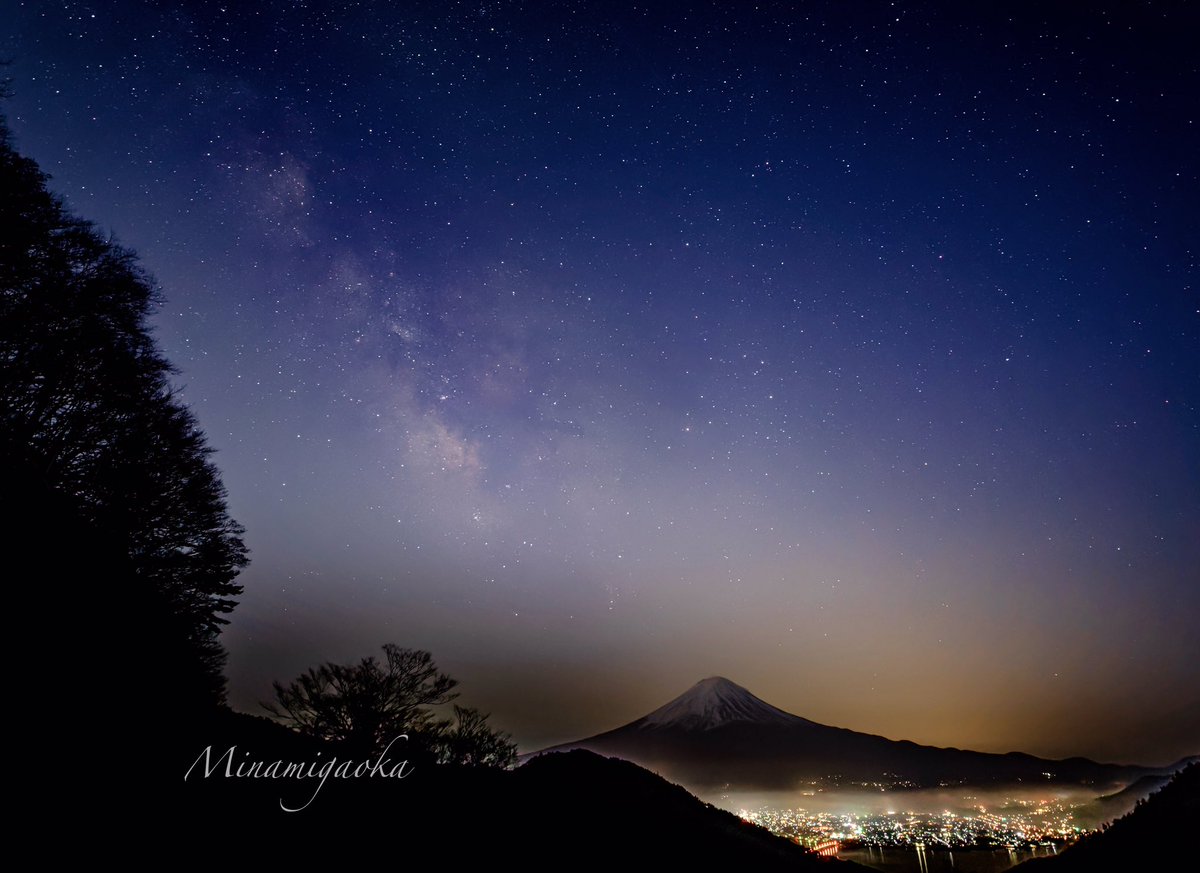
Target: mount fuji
718,734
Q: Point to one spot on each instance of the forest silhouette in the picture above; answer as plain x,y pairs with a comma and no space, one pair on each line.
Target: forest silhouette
96,441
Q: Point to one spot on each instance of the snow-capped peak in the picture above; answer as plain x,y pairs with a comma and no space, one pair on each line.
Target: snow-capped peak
714,702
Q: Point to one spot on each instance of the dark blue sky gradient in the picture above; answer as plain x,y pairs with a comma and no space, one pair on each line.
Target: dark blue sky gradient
851,351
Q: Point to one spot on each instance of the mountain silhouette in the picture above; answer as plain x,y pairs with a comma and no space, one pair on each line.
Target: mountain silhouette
1102,810
1154,836
718,734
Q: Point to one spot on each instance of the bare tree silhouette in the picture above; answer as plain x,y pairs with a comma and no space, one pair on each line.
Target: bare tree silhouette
365,706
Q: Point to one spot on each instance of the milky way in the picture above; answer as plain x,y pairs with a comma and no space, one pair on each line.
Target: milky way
847,350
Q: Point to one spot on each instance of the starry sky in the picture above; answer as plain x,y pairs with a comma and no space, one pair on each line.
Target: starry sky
848,350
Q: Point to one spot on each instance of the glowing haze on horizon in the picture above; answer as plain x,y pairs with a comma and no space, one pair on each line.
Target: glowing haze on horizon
850,351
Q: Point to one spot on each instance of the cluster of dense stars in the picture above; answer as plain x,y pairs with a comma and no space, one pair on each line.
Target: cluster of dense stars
850,350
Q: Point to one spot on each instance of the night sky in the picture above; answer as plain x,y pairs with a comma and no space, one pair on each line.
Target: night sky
848,350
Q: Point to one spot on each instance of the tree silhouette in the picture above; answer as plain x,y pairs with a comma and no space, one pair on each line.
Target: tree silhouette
91,430
365,706
469,742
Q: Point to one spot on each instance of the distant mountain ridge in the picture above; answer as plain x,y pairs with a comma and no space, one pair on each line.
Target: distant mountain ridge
718,734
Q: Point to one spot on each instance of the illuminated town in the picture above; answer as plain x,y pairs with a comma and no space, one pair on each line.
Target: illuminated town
1015,824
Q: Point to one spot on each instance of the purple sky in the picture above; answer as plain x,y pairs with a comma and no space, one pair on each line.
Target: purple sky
850,351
